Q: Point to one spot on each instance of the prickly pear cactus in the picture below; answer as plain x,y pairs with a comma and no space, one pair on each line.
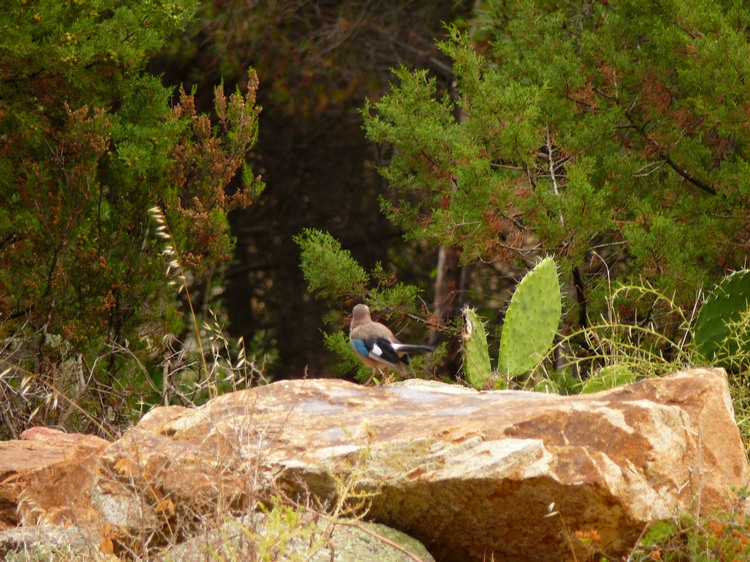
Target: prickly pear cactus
531,321
723,309
477,368
610,376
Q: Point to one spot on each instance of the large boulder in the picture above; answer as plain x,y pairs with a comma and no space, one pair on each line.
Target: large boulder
472,475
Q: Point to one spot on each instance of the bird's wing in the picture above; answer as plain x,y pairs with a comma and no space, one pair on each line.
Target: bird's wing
379,349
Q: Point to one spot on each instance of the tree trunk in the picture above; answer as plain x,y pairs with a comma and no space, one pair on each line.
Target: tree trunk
449,286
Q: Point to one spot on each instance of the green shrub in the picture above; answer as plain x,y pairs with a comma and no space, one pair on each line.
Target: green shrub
88,143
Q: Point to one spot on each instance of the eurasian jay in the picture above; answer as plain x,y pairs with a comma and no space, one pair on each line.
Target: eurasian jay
376,345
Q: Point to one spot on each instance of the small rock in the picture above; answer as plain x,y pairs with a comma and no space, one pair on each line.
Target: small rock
48,475
301,537
52,542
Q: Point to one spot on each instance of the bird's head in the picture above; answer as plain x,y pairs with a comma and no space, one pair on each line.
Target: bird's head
360,315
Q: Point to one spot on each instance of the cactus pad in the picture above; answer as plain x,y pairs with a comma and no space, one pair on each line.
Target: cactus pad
608,377
713,333
477,368
531,321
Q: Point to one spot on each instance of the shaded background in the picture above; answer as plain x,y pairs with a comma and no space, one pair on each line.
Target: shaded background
317,63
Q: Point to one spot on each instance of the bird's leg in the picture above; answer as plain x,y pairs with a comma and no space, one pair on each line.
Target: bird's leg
372,376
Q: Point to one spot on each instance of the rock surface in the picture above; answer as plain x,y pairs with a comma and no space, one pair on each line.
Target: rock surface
472,475
48,475
53,542
312,541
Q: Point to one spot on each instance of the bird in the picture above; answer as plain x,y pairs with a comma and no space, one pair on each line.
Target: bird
377,347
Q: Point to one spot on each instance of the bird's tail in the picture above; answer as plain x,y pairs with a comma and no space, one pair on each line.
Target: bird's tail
407,348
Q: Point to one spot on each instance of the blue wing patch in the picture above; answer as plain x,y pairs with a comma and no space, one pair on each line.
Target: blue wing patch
360,347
